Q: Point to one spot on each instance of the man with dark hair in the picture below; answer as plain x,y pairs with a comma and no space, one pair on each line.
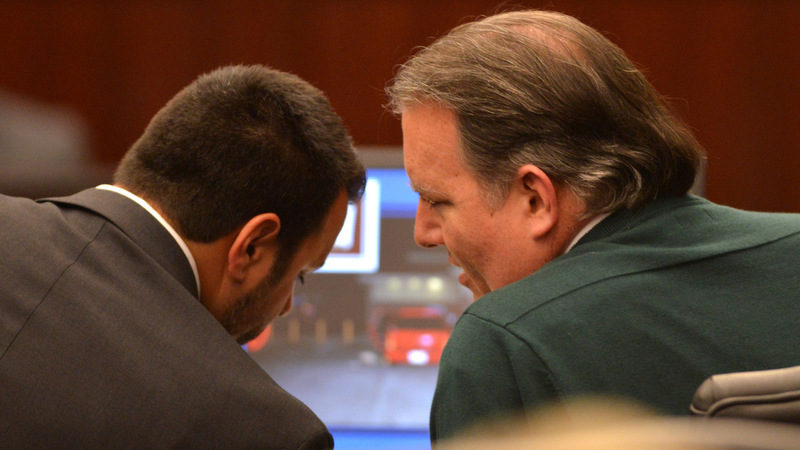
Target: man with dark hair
123,307
557,179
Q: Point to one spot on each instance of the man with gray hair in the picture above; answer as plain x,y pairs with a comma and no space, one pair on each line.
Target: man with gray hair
557,179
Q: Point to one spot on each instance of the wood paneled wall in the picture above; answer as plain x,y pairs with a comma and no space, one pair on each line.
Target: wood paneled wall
730,66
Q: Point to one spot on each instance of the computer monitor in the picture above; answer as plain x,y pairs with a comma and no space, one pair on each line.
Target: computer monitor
362,342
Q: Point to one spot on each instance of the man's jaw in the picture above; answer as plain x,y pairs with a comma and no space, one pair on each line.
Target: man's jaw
463,278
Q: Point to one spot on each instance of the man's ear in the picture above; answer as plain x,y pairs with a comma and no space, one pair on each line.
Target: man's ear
253,245
542,199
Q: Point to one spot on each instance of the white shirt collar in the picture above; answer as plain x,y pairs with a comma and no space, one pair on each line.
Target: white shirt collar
592,223
141,202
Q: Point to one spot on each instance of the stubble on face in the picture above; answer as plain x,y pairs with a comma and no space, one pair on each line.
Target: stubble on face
244,318
249,315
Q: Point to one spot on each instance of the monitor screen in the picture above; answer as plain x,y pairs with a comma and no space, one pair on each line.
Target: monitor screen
362,342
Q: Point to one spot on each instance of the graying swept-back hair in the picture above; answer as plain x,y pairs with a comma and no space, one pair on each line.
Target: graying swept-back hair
542,88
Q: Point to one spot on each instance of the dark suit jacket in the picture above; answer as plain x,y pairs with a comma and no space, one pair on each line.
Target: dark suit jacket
104,344
645,307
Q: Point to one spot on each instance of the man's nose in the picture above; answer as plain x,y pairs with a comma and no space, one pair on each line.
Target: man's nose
427,226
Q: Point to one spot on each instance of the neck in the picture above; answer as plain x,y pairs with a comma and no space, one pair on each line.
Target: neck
571,221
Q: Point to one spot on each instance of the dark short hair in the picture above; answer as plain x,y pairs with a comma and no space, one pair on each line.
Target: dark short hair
242,141
542,88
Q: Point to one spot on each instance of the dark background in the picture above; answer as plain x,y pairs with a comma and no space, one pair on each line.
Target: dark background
730,66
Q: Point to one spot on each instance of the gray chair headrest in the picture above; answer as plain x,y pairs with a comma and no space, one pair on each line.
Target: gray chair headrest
772,395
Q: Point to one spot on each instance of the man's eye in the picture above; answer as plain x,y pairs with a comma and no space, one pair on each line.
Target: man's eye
430,202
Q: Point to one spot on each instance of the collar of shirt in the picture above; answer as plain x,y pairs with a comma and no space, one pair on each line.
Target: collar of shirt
586,228
141,202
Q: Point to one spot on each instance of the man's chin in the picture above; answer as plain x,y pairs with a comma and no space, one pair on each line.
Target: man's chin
286,308
467,282
250,334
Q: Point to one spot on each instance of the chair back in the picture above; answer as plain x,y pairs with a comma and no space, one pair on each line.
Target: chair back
772,395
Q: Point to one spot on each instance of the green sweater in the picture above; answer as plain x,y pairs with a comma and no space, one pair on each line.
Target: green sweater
645,307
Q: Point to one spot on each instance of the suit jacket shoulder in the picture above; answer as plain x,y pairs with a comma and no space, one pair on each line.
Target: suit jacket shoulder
104,343
669,232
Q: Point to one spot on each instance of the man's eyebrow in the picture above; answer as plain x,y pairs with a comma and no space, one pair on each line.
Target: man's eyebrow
423,190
